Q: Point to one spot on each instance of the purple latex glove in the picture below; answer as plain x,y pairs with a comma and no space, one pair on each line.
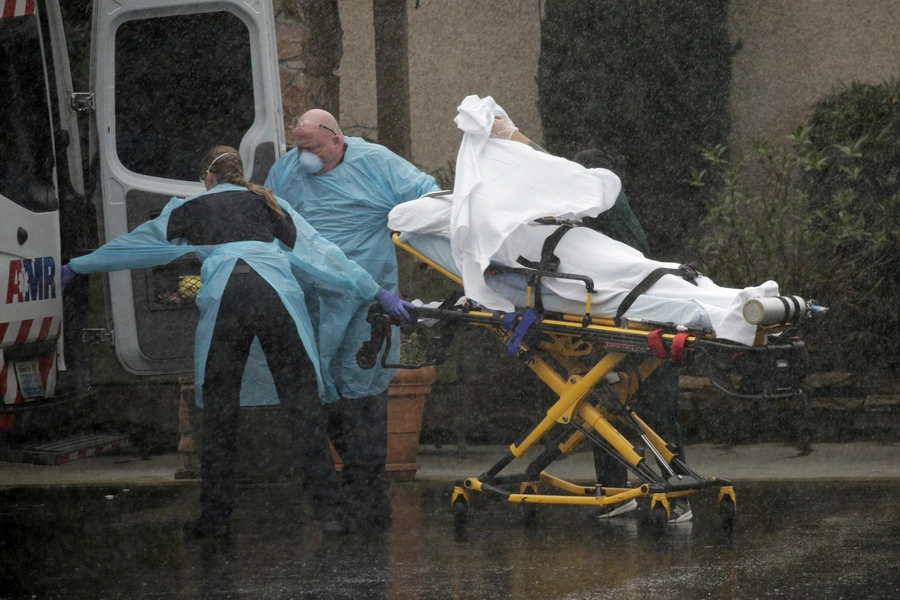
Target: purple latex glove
394,305
66,274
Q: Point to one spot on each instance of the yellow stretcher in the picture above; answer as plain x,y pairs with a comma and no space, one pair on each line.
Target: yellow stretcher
595,367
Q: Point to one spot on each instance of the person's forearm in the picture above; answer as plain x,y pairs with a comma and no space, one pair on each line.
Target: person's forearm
517,136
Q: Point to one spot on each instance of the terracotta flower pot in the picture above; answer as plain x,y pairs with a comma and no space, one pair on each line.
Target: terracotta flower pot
406,404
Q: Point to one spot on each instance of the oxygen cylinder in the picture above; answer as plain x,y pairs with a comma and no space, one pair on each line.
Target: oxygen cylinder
775,310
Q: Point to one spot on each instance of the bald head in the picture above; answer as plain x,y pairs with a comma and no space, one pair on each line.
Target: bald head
318,132
317,117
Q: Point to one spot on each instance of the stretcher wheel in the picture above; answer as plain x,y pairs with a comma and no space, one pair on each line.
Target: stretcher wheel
659,518
726,513
460,514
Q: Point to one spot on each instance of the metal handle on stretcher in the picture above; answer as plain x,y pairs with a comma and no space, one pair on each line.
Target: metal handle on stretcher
533,279
381,334
531,274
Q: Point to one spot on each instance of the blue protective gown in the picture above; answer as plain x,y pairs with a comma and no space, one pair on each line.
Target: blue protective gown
349,206
313,261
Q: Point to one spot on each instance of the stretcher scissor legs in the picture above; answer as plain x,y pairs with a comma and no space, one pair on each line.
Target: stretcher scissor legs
589,409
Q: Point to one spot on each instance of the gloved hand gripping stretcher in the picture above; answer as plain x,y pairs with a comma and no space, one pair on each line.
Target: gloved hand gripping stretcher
592,318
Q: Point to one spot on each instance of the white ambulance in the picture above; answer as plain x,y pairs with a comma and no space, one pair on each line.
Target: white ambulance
168,80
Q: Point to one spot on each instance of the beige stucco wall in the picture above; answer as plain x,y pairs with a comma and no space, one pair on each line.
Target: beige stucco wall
793,52
456,48
796,51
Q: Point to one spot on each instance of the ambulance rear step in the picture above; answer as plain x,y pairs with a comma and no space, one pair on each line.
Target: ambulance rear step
58,452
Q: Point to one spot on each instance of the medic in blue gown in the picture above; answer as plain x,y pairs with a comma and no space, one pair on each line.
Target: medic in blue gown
249,242
345,187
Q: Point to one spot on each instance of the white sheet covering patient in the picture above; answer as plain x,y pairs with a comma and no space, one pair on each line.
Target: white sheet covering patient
502,186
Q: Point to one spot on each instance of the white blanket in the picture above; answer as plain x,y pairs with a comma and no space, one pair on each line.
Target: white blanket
502,186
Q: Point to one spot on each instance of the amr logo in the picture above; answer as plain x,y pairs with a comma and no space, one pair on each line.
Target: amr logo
31,279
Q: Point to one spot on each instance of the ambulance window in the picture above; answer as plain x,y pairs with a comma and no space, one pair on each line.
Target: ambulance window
26,142
183,85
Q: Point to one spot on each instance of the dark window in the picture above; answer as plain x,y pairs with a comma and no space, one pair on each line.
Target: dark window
26,142
183,85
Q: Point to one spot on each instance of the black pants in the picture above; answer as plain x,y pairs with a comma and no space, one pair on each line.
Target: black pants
358,429
250,308
657,405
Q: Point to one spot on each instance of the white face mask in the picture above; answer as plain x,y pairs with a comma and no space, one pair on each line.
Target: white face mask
309,162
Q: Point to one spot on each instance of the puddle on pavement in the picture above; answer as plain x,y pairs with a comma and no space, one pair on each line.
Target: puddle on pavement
801,540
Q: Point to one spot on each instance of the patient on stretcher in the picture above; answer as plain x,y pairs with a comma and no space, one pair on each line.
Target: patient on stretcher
503,186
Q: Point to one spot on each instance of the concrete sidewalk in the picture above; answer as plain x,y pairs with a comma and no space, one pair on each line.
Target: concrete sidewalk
757,462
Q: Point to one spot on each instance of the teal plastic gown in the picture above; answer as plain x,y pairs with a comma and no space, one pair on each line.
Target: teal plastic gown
349,206
340,286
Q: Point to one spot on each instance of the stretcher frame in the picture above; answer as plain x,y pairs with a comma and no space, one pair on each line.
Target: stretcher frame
594,397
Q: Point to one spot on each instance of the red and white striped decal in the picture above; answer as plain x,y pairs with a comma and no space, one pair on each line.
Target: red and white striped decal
26,332
17,8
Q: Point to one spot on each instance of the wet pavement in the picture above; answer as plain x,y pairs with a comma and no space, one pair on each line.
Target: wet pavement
792,539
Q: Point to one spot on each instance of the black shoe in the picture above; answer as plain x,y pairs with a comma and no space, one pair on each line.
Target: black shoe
205,527
680,511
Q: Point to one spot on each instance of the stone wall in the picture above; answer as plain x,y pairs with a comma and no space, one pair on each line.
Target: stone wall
838,407
310,46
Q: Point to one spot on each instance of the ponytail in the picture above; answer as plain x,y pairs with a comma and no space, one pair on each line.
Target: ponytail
266,193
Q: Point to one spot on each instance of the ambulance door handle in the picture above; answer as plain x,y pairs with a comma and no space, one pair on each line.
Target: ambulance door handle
22,236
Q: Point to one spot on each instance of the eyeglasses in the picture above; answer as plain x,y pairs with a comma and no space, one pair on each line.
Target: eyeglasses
296,122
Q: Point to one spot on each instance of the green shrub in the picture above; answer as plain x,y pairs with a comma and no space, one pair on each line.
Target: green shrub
858,129
646,79
821,217
862,121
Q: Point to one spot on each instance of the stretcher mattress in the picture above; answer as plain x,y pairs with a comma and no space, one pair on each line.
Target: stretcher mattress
512,286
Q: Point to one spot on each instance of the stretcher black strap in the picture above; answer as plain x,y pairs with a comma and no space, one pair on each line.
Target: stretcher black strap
791,315
509,321
549,260
686,272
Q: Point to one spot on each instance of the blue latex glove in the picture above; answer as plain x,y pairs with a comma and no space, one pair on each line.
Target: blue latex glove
66,274
394,305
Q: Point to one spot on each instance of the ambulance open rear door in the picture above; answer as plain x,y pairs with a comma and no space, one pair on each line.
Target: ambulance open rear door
171,79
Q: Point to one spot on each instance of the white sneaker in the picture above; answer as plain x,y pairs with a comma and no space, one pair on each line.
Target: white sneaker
680,511
613,510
